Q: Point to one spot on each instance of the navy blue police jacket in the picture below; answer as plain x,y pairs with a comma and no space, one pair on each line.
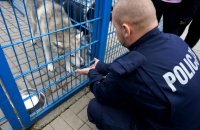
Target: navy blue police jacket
158,79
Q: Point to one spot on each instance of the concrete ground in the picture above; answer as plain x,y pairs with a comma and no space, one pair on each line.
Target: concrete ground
73,118
71,115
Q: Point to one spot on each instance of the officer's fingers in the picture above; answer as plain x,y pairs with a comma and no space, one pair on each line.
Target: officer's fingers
96,60
93,66
83,71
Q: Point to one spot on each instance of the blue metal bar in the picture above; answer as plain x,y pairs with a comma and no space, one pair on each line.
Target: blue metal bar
69,24
23,48
71,91
69,11
11,86
30,30
46,34
8,111
60,100
63,39
54,60
75,14
54,15
38,22
43,48
103,31
97,32
17,7
2,119
12,90
45,9
95,27
80,34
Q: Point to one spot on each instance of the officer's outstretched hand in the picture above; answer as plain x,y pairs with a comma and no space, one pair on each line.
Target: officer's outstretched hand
85,71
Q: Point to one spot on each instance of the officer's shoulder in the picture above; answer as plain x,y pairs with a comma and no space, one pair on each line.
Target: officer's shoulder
172,37
128,63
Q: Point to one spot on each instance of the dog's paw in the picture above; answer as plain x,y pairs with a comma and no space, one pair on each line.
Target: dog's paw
68,69
82,61
50,67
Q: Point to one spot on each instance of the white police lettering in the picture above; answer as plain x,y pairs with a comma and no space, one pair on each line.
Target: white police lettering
188,64
183,72
170,79
189,74
195,65
180,75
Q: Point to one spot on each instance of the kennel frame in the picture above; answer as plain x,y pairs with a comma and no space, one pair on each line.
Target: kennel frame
103,35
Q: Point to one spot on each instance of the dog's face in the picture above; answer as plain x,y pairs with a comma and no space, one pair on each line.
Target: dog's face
71,44
77,60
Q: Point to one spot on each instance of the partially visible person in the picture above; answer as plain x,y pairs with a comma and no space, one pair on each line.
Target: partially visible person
170,10
190,12
155,86
193,34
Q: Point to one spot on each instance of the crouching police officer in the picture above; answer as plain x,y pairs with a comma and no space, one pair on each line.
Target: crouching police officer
155,86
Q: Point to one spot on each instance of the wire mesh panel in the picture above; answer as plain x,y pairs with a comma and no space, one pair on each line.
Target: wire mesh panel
7,112
113,49
48,41
4,124
18,4
45,46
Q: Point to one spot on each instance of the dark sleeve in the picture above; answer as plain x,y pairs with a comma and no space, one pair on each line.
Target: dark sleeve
107,89
102,68
110,89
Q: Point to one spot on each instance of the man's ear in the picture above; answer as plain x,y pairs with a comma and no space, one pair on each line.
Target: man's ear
126,30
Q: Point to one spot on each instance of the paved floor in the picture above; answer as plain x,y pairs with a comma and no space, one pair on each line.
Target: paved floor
74,118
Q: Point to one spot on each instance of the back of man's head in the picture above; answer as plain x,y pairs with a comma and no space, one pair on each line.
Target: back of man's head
139,13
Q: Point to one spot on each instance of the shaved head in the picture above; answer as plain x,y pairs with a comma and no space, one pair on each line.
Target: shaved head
139,13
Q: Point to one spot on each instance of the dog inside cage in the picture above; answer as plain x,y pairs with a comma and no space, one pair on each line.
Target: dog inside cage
49,18
46,43
49,42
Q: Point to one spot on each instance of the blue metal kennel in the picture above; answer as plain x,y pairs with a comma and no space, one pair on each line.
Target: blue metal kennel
23,65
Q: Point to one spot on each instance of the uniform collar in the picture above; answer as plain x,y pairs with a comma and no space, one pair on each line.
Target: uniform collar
144,38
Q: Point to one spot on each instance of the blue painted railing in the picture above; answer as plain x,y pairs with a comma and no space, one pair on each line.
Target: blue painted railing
56,87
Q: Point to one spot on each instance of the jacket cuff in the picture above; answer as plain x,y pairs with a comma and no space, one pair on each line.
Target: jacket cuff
94,76
102,68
